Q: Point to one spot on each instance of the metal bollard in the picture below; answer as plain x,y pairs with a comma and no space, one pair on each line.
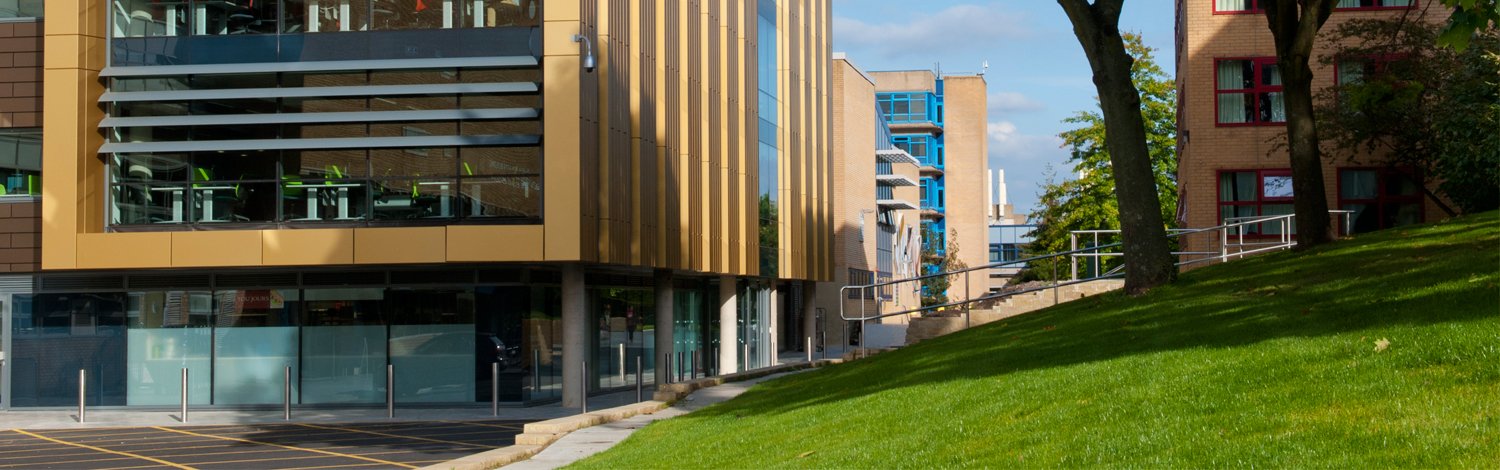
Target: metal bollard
390,391
809,349
495,388
714,352
678,369
583,387
184,414
666,364
747,357
286,394
639,391
693,371
536,377
82,392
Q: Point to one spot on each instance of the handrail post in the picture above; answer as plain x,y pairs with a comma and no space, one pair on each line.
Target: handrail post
1097,270
82,393
1073,257
968,298
1224,244
184,412
1054,283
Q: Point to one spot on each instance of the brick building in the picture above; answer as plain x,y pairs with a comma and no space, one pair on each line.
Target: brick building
1230,117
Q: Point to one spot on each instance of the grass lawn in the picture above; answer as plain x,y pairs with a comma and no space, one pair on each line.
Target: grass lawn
1269,361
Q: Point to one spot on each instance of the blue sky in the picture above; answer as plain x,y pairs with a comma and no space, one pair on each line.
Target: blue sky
1038,74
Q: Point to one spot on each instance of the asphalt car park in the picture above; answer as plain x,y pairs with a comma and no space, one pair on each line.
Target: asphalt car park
256,446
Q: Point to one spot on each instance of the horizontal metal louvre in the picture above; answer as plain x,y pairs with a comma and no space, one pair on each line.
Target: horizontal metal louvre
501,276
241,280
303,118
324,143
318,66
318,92
17,283
83,282
367,278
168,281
433,277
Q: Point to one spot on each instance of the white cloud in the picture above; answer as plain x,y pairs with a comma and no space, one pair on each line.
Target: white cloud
1024,158
960,27
1012,102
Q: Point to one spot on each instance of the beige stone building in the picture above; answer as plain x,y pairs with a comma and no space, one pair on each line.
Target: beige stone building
904,159
1230,116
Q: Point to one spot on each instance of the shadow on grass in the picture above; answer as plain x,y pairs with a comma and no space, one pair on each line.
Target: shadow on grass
1411,276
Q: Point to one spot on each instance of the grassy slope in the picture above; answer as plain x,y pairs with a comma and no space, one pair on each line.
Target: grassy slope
1268,361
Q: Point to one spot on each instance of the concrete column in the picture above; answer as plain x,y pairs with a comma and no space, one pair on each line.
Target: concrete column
810,315
774,311
729,331
664,306
575,335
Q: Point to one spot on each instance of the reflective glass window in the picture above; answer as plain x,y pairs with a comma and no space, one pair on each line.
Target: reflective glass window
54,337
21,163
433,345
255,339
343,346
168,332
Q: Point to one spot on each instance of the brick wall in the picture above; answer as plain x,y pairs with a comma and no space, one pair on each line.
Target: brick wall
1206,147
21,74
20,234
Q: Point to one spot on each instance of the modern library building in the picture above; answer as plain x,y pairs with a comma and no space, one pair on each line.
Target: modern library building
413,198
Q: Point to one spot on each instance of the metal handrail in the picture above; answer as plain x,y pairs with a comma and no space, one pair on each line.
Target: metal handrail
1284,241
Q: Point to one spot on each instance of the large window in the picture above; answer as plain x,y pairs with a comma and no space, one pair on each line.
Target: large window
21,8
1249,91
1248,194
767,205
907,107
1380,198
145,18
444,343
21,162
313,186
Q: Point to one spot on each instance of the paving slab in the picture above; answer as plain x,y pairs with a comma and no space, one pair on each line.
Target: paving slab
592,440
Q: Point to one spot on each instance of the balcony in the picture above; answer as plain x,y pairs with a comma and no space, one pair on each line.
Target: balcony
895,180
895,204
896,155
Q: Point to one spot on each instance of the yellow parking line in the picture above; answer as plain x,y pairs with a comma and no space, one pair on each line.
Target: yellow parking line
501,426
101,449
63,463
396,436
248,441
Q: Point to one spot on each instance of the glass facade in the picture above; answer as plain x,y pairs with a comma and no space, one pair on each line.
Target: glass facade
148,32
225,174
443,343
769,130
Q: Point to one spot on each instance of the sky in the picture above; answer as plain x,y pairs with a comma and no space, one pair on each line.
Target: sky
1038,74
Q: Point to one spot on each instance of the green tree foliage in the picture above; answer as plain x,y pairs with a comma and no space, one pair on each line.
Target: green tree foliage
1088,202
1417,105
1468,17
935,289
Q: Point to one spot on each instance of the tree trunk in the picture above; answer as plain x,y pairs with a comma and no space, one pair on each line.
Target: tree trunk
1148,260
1294,27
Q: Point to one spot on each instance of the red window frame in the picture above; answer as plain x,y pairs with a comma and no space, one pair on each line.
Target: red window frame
1255,90
1255,8
1260,199
1376,8
1381,197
